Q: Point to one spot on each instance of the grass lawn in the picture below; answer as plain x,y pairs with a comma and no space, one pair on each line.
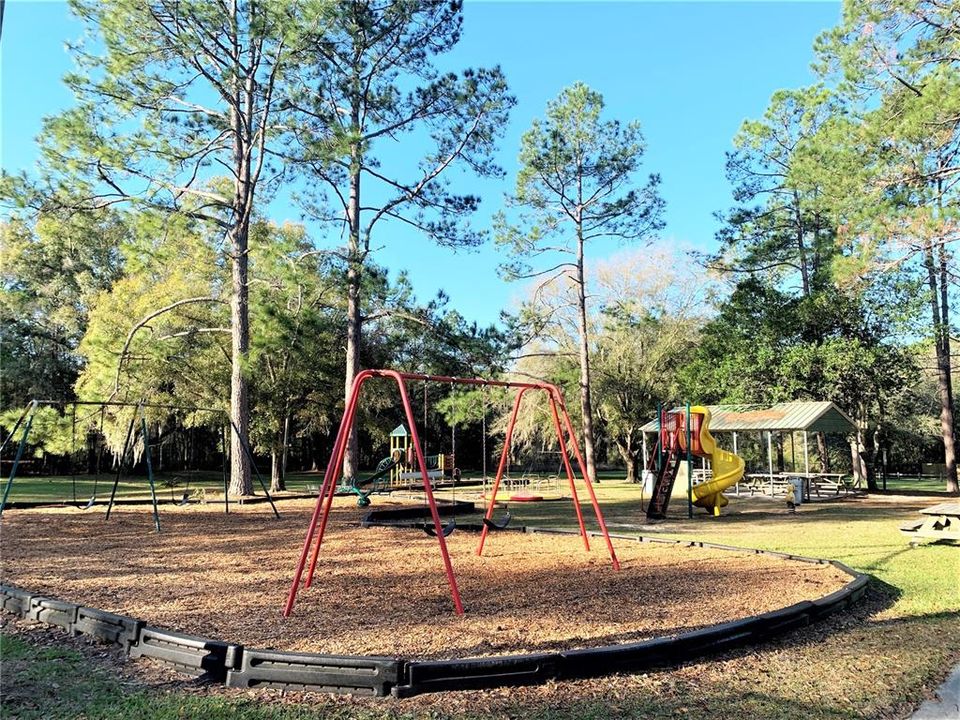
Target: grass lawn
914,484
878,660
170,486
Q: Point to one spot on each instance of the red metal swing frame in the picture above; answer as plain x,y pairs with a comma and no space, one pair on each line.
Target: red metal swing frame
321,511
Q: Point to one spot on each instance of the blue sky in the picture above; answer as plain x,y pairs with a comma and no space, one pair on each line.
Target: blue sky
690,72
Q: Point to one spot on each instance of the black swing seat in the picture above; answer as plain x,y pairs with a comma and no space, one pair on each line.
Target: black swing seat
185,500
445,531
90,503
490,524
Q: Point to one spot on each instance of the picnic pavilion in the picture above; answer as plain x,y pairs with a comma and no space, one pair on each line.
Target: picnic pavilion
800,418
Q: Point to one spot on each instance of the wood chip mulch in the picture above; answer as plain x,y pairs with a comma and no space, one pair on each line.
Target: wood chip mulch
382,591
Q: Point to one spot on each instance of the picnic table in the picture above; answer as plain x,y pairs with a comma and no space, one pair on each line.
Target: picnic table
940,522
835,482
765,483
818,484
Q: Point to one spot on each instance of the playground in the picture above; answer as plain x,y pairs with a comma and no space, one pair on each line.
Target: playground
525,589
382,591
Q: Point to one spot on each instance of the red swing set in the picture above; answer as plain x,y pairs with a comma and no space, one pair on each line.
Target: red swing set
321,512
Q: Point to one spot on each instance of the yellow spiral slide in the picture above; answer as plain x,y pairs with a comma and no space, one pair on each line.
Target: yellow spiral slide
727,467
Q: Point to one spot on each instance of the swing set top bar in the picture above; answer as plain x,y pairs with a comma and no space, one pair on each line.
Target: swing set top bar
124,403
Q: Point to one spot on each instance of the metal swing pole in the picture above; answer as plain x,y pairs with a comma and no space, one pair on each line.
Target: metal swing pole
334,465
554,391
123,457
149,462
500,469
16,425
226,482
73,452
334,468
325,497
438,527
569,470
31,410
333,471
256,470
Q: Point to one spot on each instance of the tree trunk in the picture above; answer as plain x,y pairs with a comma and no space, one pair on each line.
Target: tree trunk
857,462
876,465
630,457
276,478
354,273
286,451
241,482
939,309
586,406
277,460
950,457
801,247
822,453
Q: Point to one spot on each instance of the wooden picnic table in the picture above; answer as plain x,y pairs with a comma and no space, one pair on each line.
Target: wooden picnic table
815,483
940,522
765,483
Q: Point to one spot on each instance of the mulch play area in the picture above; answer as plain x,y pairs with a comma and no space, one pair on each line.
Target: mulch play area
382,591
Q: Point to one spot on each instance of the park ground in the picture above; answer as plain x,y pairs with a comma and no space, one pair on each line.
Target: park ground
878,660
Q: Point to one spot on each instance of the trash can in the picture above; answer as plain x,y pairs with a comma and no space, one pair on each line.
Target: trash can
797,490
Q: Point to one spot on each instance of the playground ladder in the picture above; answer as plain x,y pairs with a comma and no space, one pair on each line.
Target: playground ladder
660,498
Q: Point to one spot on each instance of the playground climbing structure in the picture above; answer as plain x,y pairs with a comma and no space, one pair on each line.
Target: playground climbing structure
682,436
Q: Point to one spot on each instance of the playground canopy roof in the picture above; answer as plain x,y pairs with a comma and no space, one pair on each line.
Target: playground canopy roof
822,416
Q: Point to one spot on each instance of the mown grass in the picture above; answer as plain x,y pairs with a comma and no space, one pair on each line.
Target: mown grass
170,486
877,660
914,484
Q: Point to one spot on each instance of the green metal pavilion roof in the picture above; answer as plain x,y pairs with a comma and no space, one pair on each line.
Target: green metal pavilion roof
811,416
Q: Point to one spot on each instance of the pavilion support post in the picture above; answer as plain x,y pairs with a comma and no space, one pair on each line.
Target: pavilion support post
645,454
735,452
793,454
770,458
806,457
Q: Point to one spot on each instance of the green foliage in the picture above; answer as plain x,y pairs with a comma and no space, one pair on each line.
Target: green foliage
134,351
766,346
51,432
778,228
50,273
576,183
296,318
373,83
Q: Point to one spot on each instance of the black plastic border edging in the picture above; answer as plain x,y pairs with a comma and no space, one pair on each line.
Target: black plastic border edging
236,666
